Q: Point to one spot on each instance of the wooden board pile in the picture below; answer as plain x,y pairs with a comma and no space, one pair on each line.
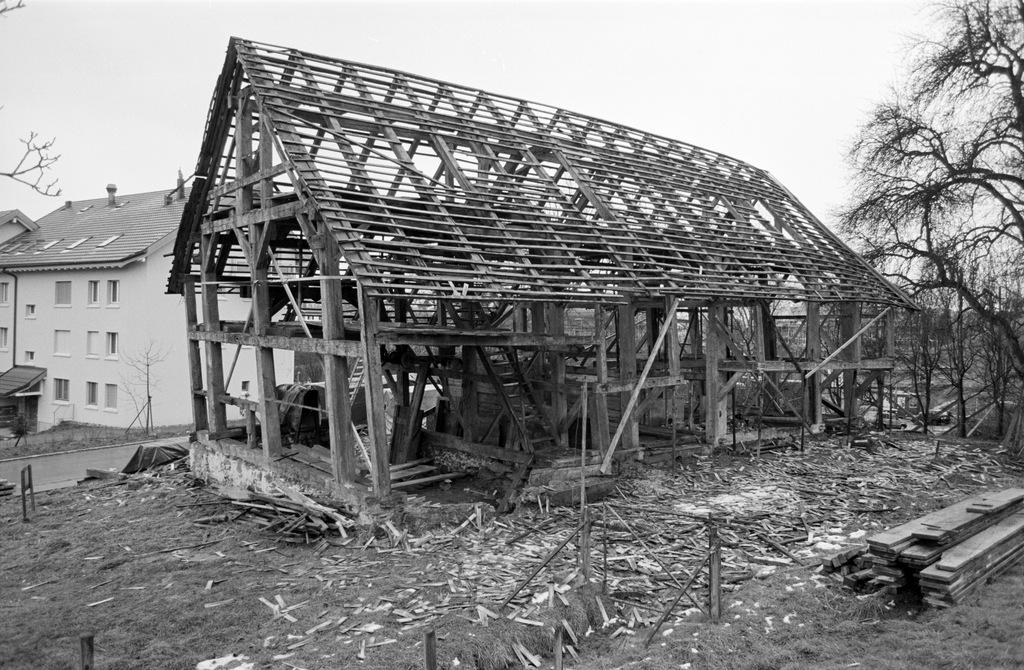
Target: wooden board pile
6,488
291,514
949,553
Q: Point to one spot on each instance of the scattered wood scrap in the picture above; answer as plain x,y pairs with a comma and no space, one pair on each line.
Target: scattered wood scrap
6,488
293,513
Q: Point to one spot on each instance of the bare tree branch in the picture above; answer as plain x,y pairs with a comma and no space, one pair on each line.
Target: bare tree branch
36,160
10,5
37,157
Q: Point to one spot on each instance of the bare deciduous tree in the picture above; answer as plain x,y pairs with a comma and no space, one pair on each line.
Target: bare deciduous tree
140,380
939,191
37,157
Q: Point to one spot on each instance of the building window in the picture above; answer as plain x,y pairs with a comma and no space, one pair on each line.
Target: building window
92,343
93,292
62,293
113,292
92,394
110,398
61,342
30,356
5,296
3,338
111,345
61,389
30,311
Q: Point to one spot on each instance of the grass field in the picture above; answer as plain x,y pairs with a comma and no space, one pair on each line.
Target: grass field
164,577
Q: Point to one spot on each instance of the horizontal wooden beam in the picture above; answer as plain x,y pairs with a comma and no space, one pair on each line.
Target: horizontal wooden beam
231,186
788,366
497,453
289,210
483,339
649,383
348,348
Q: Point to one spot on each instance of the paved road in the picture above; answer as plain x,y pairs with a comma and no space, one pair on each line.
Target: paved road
54,471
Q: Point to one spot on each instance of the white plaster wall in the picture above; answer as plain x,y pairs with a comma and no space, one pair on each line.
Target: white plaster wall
145,318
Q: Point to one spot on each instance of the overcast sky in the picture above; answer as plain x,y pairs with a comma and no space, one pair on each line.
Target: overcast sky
125,86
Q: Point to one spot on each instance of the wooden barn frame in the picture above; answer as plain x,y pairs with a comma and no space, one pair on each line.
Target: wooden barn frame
546,273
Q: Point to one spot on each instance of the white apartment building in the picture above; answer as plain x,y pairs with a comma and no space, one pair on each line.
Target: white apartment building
84,314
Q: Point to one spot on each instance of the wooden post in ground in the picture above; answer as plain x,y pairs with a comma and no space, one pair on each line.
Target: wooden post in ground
86,647
559,664
430,650
715,421
28,490
585,544
714,573
374,387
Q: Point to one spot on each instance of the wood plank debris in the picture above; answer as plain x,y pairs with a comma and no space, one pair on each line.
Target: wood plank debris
948,553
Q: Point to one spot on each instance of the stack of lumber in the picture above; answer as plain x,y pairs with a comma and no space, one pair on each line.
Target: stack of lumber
6,488
949,552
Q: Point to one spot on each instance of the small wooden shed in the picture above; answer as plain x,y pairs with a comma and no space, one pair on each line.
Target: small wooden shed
533,266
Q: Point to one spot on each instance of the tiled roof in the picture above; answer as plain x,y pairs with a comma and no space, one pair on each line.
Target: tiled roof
19,216
91,232
19,378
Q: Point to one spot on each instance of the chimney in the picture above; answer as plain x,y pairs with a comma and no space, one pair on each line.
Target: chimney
181,186
67,204
111,192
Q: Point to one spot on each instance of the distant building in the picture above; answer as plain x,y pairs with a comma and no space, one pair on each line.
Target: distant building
83,309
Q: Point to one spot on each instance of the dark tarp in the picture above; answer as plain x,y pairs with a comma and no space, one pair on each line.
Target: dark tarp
151,455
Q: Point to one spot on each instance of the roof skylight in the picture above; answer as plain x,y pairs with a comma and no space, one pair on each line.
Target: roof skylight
108,240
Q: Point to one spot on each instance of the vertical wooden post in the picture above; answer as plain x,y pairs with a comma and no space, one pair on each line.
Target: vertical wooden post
270,411
374,388
430,650
625,331
472,367
195,361
599,420
216,410
715,421
27,489
849,324
672,355
559,404
336,371
585,532
559,663
714,572
812,399
86,646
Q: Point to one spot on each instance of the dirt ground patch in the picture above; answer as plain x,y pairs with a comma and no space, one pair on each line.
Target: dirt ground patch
165,576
